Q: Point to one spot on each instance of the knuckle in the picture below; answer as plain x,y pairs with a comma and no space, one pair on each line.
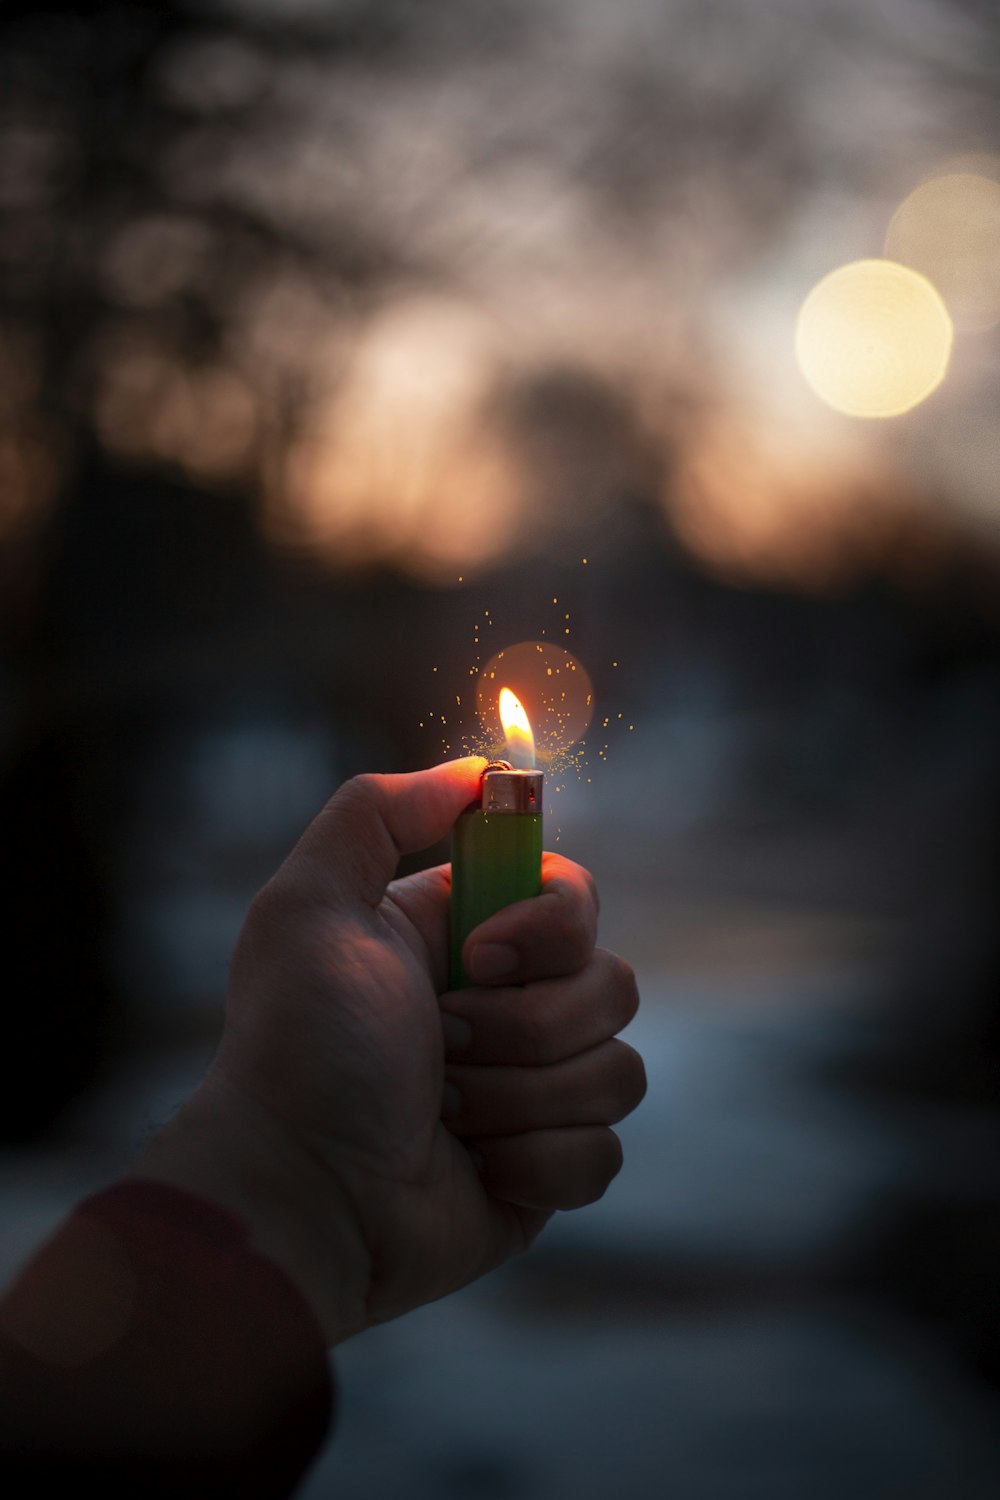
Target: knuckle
535,1026
575,903
264,904
621,977
268,911
603,1163
638,1081
611,1155
259,936
629,1081
622,971
354,819
593,892
367,785
614,981
582,883
577,934
576,947
355,797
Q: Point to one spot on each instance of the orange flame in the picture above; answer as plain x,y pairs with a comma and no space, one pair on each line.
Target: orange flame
517,731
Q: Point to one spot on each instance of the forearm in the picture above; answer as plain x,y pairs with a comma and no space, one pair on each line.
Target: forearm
150,1346
223,1147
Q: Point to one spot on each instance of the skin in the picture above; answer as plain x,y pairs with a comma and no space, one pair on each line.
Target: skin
385,1140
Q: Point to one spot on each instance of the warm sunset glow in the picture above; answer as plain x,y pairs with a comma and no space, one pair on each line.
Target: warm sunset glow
759,496
402,464
517,731
873,339
949,229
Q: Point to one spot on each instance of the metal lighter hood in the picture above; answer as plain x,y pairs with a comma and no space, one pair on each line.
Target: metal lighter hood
507,791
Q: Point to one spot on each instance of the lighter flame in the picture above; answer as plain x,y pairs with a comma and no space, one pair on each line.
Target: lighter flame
517,731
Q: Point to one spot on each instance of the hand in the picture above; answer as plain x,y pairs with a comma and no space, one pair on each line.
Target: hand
386,1140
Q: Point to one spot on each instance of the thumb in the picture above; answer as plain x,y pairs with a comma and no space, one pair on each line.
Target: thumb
355,843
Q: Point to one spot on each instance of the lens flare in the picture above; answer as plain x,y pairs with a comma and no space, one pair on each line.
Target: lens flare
873,339
949,230
517,731
556,688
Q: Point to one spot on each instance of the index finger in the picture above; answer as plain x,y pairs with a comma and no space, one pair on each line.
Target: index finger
550,935
542,938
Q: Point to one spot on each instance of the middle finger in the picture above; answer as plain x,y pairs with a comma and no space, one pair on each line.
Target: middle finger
543,1022
598,1087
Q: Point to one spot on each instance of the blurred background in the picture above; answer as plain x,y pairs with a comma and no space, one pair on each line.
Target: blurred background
346,342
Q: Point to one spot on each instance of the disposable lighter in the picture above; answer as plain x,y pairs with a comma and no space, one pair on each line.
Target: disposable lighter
496,853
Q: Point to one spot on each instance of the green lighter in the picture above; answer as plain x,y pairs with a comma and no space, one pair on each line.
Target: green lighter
496,856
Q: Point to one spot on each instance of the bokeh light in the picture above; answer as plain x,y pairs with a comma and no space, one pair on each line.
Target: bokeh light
949,230
873,339
554,687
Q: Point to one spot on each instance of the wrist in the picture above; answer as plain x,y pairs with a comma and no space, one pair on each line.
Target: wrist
224,1147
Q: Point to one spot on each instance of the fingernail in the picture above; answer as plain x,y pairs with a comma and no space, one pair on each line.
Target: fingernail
451,1102
491,961
456,1031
